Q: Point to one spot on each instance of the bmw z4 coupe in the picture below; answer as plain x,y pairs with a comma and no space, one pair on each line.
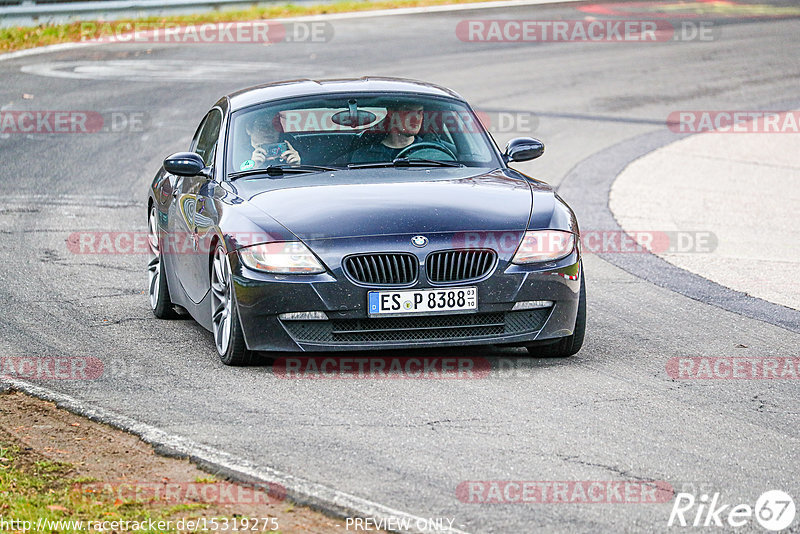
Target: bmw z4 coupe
361,214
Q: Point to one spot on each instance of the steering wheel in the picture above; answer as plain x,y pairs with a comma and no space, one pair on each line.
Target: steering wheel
426,145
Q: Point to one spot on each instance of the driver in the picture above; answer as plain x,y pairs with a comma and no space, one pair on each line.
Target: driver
402,125
268,145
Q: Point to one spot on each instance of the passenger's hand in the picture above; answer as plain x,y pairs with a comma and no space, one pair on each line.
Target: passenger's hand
291,155
259,156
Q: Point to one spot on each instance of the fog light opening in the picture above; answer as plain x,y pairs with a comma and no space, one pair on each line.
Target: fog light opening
532,305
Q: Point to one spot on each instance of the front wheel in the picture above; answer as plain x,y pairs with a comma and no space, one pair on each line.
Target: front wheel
566,346
228,336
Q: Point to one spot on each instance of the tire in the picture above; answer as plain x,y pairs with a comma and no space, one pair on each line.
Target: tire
225,324
157,289
566,346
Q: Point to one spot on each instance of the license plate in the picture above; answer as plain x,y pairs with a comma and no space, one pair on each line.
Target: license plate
422,301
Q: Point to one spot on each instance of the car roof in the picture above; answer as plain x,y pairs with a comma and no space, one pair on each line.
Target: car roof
292,88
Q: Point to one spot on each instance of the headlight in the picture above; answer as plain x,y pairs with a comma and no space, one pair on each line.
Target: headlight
544,245
288,258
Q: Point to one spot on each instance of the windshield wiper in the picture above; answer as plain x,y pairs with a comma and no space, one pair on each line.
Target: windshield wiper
406,162
436,162
280,170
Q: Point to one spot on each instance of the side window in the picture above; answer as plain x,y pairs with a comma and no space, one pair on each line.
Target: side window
205,141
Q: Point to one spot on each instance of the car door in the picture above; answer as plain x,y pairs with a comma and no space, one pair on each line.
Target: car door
191,261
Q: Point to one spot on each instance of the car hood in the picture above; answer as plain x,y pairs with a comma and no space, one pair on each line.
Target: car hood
392,201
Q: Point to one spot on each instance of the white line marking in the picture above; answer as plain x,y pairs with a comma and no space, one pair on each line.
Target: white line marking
330,16
429,9
149,69
299,490
44,50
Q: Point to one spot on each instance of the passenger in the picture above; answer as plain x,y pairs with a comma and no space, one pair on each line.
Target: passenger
270,146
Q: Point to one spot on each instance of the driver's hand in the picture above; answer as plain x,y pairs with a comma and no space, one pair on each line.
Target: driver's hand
291,155
259,156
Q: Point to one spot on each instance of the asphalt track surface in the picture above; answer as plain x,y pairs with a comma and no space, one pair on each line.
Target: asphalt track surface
609,413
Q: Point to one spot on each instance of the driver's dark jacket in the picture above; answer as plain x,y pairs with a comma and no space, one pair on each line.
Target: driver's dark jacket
378,152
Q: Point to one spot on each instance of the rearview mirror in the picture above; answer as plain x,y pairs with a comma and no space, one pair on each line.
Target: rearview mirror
523,149
184,164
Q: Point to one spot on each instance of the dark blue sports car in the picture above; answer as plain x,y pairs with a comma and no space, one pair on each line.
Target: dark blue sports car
361,214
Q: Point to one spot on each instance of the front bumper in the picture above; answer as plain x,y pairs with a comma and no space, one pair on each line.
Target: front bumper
262,297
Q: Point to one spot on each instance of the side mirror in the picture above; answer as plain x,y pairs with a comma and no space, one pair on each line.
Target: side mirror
523,149
185,164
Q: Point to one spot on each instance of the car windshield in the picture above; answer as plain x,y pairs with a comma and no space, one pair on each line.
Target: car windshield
357,131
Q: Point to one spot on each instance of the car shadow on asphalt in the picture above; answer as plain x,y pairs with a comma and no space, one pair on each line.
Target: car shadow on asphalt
448,362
